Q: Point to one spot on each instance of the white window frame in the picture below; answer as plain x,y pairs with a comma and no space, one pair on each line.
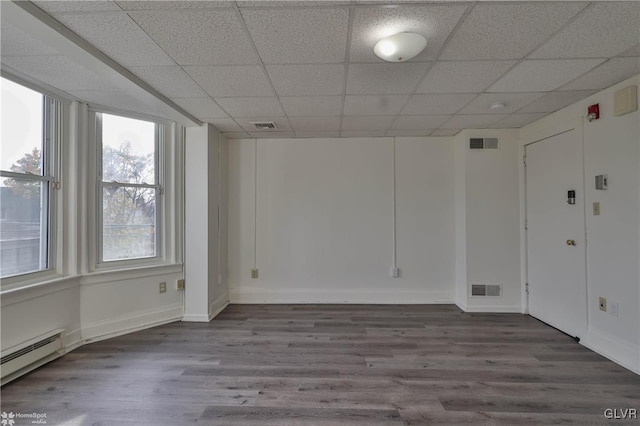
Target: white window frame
163,141
54,116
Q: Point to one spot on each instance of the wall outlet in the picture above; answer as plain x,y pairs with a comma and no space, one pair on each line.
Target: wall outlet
163,287
254,273
180,285
602,303
596,209
614,309
395,272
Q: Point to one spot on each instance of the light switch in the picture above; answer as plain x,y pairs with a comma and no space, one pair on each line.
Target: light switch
596,209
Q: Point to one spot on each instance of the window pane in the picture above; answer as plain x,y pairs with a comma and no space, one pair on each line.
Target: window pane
23,226
129,223
128,150
22,121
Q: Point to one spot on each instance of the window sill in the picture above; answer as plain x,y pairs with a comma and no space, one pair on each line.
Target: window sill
110,275
28,289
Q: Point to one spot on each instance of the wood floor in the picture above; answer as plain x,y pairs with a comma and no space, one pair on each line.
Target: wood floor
332,365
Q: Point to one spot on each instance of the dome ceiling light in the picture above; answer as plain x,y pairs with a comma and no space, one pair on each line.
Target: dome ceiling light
400,47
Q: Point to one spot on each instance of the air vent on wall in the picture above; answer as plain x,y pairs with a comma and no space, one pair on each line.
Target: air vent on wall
483,143
264,125
493,290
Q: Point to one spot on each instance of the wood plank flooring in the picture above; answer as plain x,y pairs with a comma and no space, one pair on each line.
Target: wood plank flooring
332,365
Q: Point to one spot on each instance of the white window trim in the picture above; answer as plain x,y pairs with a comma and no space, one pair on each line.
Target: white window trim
55,113
169,200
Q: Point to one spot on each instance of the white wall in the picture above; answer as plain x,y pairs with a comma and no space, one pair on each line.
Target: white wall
491,219
206,288
325,220
611,146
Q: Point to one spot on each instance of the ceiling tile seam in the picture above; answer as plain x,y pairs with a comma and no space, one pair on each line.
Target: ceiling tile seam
347,57
606,61
109,62
562,28
521,60
174,61
461,20
245,28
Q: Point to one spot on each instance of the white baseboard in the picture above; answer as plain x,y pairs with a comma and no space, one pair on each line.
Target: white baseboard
100,330
72,340
218,305
515,309
339,296
195,318
617,350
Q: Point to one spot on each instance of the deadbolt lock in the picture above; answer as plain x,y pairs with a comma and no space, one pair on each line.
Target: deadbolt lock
571,242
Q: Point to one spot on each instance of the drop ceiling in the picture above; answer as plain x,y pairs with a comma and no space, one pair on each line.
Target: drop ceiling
309,66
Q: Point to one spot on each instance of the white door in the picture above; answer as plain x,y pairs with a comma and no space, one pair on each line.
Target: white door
556,249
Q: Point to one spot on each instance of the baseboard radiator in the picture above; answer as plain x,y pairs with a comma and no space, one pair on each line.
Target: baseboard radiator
30,355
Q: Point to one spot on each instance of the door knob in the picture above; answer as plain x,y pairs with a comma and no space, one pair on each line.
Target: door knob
571,242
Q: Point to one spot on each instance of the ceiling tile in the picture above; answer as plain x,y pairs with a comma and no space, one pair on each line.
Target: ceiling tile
232,81
380,122
15,42
282,125
362,134
323,134
314,124
419,122
117,36
290,3
508,30
433,21
57,71
472,121
272,135
393,132
543,75
289,36
237,135
374,104
515,121
605,75
306,106
555,100
512,101
437,103
463,77
181,35
373,79
165,4
305,80
172,82
201,107
605,29
251,107
223,124
75,6
445,132
634,51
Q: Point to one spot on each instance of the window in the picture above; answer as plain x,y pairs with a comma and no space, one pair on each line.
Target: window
129,188
30,124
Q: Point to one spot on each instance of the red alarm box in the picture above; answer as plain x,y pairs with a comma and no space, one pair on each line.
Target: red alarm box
593,112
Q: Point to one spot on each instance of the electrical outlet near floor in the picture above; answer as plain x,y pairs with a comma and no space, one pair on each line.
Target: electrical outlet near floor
602,303
180,285
254,273
163,287
395,272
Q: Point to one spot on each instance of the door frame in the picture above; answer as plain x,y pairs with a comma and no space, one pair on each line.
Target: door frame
539,135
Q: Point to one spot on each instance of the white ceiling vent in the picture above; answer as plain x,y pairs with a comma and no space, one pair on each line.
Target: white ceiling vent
264,125
491,290
483,143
